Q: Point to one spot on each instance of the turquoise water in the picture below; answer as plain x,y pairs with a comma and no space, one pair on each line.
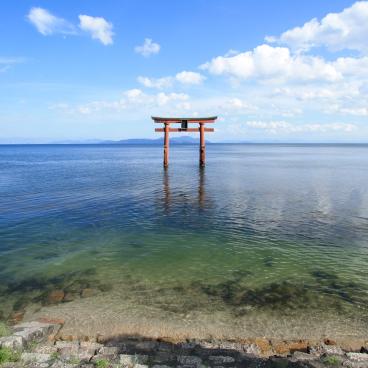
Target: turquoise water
267,240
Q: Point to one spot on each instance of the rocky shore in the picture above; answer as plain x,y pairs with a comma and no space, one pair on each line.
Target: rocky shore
41,344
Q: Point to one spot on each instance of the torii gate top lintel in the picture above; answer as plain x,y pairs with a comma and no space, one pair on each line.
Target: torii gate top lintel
184,128
210,119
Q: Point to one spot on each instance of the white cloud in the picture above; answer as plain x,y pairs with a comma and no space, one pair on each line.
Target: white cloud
186,77
355,67
11,60
7,62
148,48
131,100
98,27
235,105
47,23
275,127
336,31
85,110
164,98
98,106
158,83
184,106
357,111
359,108
267,62
320,92
133,94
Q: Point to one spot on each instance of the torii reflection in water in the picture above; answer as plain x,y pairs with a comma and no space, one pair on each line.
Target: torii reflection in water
170,199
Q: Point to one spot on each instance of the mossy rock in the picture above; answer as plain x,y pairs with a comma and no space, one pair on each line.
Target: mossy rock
4,330
102,363
8,356
332,361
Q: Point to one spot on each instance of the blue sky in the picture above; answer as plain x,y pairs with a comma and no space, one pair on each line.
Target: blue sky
272,71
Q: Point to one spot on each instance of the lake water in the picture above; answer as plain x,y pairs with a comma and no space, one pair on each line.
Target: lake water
267,240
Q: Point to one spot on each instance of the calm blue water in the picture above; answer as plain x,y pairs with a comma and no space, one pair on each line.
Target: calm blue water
263,235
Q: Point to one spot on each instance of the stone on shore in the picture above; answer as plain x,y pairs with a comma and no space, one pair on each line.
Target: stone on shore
108,351
12,342
162,357
323,349
163,354
301,356
61,364
45,349
284,348
189,360
28,332
128,360
34,331
44,327
35,358
67,344
146,346
358,357
220,360
90,347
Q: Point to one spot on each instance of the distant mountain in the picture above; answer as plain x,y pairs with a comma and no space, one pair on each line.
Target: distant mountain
173,140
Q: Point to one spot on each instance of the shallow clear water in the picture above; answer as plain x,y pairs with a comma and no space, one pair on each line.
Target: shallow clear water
267,240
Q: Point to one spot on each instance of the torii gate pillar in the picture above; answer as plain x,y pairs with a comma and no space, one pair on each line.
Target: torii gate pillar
184,128
202,146
166,145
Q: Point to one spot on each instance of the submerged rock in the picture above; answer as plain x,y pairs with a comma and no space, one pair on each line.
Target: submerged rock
105,287
268,261
16,317
21,303
69,297
55,296
88,292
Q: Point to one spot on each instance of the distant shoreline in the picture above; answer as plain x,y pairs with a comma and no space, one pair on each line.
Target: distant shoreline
155,143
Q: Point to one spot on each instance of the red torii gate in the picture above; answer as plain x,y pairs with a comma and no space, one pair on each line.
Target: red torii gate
184,128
